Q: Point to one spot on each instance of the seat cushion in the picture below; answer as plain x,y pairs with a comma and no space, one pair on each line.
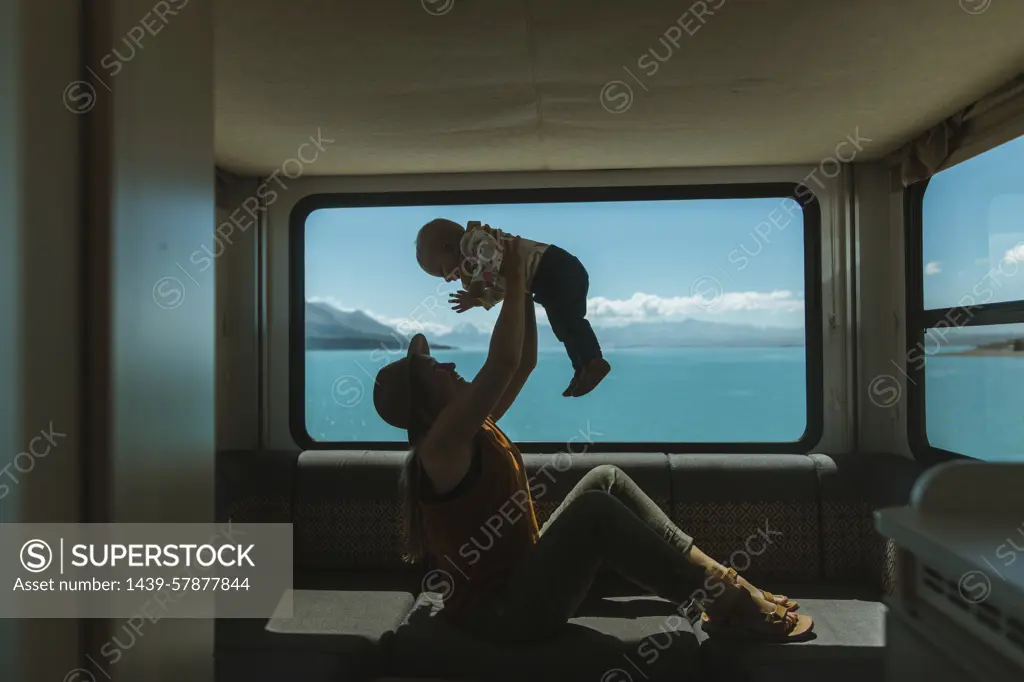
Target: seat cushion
348,511
755,513
849,643
852,487
336,631
255,486
609,640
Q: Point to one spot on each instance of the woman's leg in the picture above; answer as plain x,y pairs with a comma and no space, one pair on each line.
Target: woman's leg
594,529
606,520
614,481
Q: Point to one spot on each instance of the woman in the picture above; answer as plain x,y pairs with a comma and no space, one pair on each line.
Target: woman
469,510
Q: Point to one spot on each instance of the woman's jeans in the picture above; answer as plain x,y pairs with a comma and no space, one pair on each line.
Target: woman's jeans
606,520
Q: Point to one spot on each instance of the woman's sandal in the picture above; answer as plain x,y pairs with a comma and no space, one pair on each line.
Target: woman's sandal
739,615
782,600
760,626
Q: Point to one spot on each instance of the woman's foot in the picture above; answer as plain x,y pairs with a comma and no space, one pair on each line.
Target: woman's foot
779,599
590,376
742,612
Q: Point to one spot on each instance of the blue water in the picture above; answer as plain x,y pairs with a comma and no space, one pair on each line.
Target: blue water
679,394
975,405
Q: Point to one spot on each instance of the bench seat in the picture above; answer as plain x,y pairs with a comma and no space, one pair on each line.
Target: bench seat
799,524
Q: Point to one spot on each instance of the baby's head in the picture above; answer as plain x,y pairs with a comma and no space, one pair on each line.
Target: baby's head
438,249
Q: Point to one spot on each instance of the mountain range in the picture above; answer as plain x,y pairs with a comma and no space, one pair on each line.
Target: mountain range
329,327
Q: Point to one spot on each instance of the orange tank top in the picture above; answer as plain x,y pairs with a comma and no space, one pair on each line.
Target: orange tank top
479,532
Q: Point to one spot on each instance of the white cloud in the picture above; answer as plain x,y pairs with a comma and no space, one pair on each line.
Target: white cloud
331,301
1016,254
933,268
650,308
408,325
640,307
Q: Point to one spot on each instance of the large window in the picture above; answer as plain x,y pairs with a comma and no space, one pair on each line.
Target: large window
966,356
701,299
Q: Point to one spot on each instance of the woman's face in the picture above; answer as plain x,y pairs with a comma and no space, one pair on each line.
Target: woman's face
438,381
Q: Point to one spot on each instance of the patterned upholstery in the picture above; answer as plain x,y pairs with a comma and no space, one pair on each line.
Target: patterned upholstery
255,487
755,513
848,527
776,539
363,533
348,513
261,509
852,488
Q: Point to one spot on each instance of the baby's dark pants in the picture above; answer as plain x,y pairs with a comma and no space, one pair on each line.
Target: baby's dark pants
561,284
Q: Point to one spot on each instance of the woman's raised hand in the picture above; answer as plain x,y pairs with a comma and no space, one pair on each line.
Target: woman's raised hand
512,262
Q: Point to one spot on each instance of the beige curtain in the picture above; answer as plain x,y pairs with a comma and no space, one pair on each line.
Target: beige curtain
999,116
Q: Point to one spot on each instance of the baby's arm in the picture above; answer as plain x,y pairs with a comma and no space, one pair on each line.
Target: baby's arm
484,294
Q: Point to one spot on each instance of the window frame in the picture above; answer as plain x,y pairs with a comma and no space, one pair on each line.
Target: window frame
813,292
920,319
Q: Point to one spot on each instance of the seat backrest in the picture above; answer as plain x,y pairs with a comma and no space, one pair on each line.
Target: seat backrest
776,517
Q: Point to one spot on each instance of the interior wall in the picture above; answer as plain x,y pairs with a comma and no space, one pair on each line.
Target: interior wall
150,310
236,249
835,238
10,287
39,323
881,313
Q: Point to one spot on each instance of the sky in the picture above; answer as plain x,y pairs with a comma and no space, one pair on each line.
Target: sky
734,261
985,263
722,260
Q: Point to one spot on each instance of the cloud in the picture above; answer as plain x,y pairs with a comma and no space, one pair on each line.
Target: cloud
642,307
639,308
1016,254
408,325
933,268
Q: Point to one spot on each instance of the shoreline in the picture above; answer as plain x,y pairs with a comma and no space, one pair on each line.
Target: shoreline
986,353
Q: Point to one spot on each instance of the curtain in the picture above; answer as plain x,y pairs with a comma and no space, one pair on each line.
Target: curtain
936,148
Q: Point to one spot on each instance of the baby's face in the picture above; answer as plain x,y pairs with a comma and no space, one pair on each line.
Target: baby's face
443,260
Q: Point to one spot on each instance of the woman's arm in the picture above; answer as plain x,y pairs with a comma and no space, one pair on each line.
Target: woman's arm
527,363
445,450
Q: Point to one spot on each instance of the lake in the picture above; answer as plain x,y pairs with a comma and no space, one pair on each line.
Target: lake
680,394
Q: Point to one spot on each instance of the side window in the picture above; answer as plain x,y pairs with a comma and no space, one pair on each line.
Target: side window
698,303
966,360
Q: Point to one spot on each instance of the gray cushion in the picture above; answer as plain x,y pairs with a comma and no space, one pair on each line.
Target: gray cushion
348,513
756,513
849,642
610,640
852,487
255,486
337,633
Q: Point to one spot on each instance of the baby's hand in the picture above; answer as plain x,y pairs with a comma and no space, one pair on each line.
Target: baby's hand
462,301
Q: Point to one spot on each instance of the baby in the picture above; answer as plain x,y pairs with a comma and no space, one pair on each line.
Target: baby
556,278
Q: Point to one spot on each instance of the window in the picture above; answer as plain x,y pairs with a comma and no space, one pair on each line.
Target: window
701,298
966,356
